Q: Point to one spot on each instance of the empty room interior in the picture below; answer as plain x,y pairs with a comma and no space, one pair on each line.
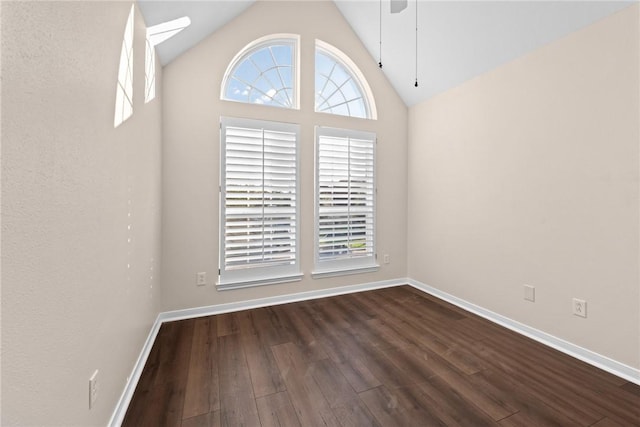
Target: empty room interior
341,213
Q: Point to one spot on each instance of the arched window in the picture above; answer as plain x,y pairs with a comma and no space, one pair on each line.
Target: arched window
264,72
260,173
340,86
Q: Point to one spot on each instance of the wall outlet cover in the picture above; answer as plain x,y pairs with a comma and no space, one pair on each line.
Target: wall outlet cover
201,278
579,307
529,293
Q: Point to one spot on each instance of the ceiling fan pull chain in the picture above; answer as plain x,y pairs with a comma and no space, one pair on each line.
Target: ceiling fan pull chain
416,83
380,57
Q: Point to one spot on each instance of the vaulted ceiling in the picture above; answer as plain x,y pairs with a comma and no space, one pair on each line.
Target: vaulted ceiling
457,40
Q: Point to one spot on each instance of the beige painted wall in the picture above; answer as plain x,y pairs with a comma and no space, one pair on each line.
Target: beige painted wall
192,110
529,174
76,295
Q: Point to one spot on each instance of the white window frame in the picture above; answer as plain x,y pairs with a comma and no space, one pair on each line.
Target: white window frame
346,264
292,40
352,69
230,278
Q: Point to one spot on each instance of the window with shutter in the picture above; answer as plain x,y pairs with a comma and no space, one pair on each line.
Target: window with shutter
345,201
259,203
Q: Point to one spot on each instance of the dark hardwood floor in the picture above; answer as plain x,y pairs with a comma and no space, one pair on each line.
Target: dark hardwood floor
389,357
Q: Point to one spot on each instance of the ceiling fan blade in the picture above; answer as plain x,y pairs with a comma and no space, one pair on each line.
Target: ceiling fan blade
398,6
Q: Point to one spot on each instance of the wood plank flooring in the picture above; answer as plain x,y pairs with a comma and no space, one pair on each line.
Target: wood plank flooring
389,357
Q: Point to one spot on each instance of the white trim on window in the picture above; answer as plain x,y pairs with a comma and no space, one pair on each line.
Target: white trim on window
345,194
343,85
259,208
270,84
344,271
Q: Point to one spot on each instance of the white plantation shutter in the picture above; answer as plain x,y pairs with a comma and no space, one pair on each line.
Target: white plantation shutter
259,195
345,200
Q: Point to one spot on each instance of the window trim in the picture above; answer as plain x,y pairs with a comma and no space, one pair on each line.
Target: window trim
259,275
339,267
358,77
255,46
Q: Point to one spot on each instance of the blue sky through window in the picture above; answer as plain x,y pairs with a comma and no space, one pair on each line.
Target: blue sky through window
264,76
337,91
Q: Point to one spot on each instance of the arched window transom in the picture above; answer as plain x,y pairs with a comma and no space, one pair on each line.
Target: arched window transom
340,87
264,73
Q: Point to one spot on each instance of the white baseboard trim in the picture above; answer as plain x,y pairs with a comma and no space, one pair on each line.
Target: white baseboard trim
599,361
123,403
191,313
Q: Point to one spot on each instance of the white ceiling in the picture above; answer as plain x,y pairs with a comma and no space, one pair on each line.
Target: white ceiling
206,17
457,40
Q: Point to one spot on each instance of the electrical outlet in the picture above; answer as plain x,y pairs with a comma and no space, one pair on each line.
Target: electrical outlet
529,293
579,307
201,279
387,259
93,389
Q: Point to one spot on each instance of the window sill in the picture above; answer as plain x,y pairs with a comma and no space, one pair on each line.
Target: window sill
226,286
345,271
